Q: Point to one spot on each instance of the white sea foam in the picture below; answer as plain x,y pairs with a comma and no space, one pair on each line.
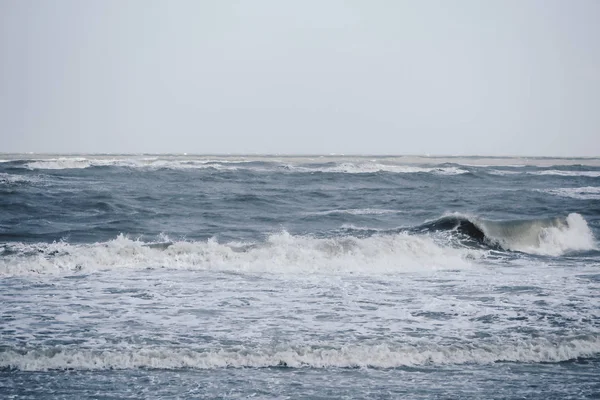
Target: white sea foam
545,237
357,211
352,356
146,163
581,193
552,172
591,174
349,165
502,172
370,167
12,178
281,253
61,163
360,228
266,164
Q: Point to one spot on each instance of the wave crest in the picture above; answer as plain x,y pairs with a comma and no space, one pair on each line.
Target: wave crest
281,252
549,236
270,165
353,356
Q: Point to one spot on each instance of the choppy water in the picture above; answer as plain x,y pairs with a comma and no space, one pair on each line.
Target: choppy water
299,277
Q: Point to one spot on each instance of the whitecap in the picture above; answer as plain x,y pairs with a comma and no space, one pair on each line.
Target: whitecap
385,355
590,174
281,253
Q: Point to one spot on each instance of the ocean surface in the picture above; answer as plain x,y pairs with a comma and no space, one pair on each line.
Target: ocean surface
176,276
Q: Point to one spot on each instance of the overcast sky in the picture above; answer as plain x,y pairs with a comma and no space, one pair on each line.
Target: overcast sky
506,77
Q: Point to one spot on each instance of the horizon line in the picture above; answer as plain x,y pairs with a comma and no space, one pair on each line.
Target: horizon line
235,154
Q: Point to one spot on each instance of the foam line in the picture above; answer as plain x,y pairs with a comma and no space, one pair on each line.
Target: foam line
352,356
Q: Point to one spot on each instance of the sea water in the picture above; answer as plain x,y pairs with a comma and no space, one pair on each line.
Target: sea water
170,276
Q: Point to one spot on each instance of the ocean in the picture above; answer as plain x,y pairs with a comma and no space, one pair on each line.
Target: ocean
299,277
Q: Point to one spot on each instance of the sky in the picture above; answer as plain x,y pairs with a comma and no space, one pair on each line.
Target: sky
461,77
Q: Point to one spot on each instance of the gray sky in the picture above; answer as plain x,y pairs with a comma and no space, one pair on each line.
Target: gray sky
498,77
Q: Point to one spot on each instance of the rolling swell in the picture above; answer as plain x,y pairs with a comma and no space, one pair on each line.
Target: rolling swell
545,236
413,249
460,224
379,356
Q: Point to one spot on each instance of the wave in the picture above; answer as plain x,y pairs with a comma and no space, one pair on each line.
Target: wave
372,252
356,211
502,172
144,163
372,167
10,179
352,356
556,172
280,253
580,193
270,164
550,172
550,236
267,164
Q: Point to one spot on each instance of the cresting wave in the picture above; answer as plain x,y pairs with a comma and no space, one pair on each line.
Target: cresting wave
551,236
356,211
299,164
281,253
363,168
548,172
146,163
352,356
233,165
589,174
412,249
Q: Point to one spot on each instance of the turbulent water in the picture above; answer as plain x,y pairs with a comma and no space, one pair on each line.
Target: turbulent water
299,277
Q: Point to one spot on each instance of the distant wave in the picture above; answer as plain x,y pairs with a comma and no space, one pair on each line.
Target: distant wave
590,174
356,211
580,193
298,165
361,167
550,236
503,172
371,167
548,172
147,163
351,356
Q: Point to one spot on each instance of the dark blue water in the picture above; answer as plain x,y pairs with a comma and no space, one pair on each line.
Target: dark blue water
299,277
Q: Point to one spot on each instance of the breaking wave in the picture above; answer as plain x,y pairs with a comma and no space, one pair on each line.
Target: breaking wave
550,236
370,167
281,252
352,356
147,163
356,211
547,172
306,164
356,167
589,174
407,249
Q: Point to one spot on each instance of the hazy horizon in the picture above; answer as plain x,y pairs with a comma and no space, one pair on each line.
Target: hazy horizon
441,155
428,78
296,155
